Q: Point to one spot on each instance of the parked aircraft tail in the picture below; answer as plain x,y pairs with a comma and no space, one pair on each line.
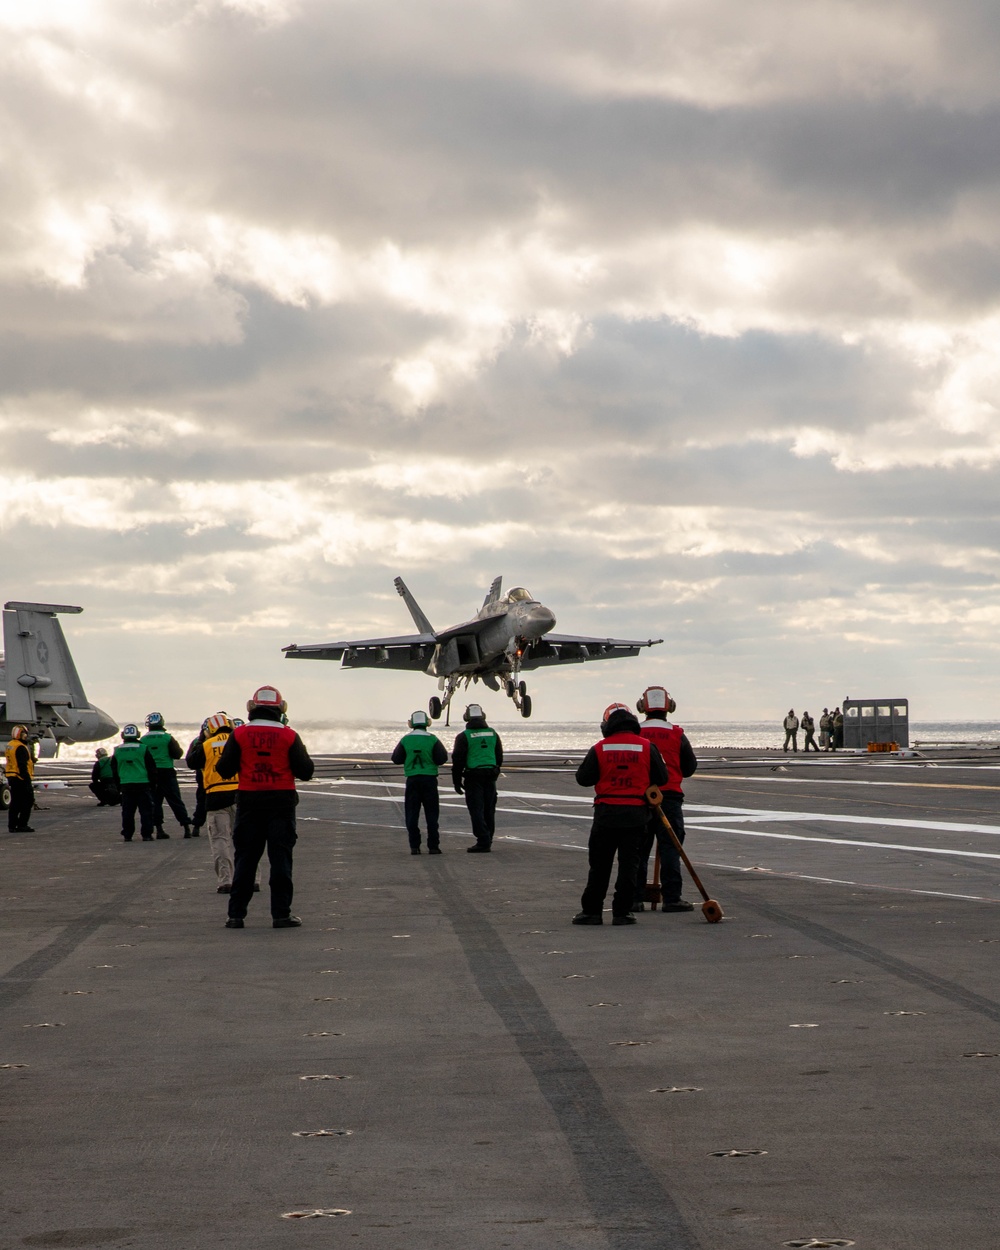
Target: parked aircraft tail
493,595
37,661
421,621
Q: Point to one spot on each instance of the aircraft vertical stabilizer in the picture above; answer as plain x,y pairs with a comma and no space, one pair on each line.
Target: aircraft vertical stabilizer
493,595
38,661
421,621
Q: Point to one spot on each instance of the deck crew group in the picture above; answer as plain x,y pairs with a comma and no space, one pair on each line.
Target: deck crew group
246,795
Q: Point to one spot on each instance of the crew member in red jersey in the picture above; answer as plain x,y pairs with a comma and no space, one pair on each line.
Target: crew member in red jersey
621,768
679,758
267,757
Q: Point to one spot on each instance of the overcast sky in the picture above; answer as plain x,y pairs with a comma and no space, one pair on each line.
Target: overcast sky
684,314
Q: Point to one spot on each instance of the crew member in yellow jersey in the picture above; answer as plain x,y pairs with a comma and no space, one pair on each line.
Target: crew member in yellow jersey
220,795
19,769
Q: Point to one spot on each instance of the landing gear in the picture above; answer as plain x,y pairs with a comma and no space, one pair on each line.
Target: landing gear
522,689
509,687
525,704
434,707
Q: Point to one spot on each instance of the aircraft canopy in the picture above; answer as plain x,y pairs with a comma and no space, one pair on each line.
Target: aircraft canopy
518,595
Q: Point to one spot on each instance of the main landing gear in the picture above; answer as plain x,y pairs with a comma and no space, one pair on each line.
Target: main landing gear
516,691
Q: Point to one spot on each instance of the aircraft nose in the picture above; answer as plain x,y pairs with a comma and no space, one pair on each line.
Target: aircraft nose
538,621
106,727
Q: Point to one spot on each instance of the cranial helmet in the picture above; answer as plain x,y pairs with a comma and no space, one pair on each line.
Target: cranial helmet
219,721
266,696
19,733
100,753
656,699
237,722
154,720
130,733
473,712
611,711
419,720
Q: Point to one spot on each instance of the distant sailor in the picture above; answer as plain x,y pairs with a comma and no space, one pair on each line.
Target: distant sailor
476,761
679,758
200,815
164,749
825,730
267,757
791,727
621,768
421,753
102,780
809,729
19,769
135,775
219,794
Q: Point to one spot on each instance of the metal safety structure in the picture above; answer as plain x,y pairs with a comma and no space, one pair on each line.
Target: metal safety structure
876,720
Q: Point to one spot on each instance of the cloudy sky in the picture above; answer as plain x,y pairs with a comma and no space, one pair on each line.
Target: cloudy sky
684,314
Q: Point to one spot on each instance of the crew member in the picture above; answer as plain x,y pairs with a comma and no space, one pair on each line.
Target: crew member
475,766
266,757
809,729
679,759
102,780
19,769
791,727
164,749
421,753
134,773
621,768
219,794
825,730
199,816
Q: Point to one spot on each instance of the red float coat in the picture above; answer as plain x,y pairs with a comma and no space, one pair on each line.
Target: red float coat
668,742
623,764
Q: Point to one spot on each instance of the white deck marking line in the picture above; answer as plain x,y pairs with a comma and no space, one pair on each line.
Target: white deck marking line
507,811
743,814
872,846
891,822
846,781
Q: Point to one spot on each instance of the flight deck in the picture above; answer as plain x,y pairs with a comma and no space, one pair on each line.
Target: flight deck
437,1058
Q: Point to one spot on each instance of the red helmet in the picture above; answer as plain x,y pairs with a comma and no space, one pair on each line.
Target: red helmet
266,696
656,699
615,707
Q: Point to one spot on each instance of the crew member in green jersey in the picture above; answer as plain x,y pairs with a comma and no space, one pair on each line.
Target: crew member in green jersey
164,749
102,780
421,755
135,775
475,767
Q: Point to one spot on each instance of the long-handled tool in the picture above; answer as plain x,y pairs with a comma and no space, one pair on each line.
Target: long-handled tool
710,908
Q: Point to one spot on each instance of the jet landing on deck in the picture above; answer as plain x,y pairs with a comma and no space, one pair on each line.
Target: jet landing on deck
509,634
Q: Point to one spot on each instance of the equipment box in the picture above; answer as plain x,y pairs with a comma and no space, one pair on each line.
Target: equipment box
876,720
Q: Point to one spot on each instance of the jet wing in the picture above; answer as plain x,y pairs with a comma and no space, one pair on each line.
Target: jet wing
574,649
410,651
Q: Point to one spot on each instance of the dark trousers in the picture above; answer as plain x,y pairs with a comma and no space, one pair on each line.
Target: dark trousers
251,837
481,800
22,799
105,792
810,741
137,798
200,814
615,832
791,736
422,792
168,790
671,880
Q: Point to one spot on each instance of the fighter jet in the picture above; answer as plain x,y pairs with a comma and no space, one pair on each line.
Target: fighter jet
509,634
39,685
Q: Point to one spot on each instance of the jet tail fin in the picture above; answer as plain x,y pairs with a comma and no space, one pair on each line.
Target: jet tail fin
421,621
494,593
38,660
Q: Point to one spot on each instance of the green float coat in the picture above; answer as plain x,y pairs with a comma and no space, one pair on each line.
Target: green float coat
131,760
418,745
482,744
158,742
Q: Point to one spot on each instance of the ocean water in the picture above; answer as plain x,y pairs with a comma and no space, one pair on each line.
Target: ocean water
571,737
